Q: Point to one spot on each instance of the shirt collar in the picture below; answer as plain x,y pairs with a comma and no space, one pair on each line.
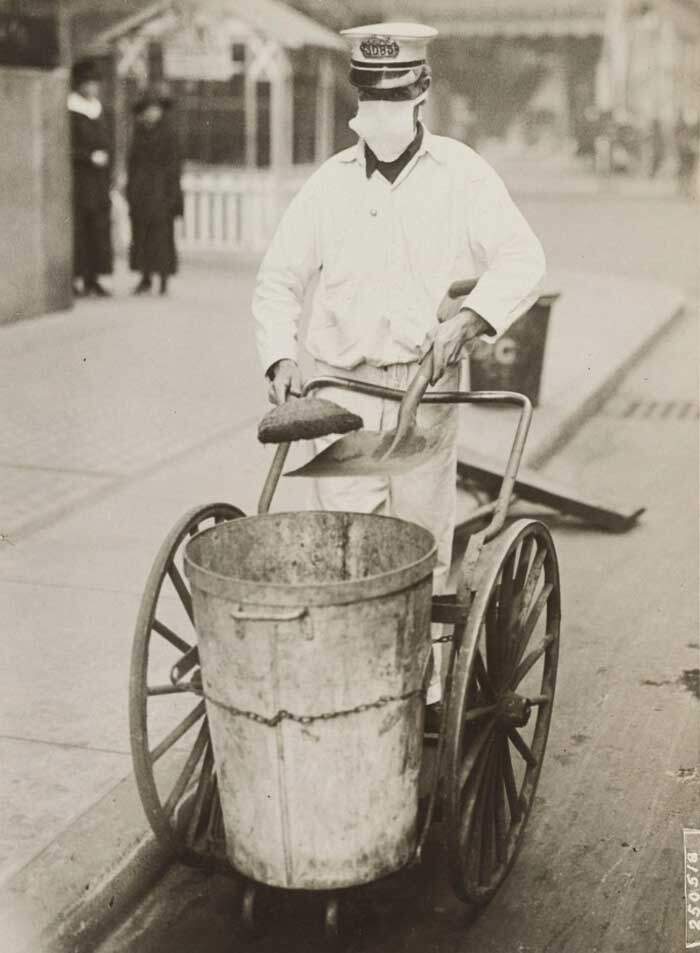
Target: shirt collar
431,145
396,166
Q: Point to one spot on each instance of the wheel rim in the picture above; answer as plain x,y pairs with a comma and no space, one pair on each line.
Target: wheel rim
170,743
500,707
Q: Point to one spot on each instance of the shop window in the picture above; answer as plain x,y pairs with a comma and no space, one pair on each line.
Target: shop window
304,115
210,116
345,108
262,145
155,62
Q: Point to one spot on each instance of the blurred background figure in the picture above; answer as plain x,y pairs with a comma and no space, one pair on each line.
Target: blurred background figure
90,155
687,137
153,190
657,148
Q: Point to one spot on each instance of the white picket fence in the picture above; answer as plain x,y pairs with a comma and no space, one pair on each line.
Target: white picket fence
235,210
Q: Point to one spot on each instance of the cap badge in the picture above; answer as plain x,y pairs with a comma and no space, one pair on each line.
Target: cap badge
379,47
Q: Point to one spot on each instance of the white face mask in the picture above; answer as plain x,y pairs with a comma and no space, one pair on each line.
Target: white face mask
387,127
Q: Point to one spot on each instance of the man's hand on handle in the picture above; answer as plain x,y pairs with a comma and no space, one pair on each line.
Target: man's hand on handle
456,331
283,376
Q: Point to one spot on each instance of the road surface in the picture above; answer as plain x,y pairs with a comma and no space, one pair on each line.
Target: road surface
601,869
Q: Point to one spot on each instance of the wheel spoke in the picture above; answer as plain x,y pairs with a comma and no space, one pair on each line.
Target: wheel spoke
486,860
177,732
530,586
188,769
530,660
181,588
473,807
170,636
529,627
527,550
482,675
215,822
475,750
169,689
510,785
475,714
500,807
522,747
202,795
493,653
184,665
505,602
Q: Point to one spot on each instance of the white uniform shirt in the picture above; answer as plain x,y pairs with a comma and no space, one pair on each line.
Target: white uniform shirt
386,253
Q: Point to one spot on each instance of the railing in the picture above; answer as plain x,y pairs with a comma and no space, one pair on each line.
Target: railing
235,210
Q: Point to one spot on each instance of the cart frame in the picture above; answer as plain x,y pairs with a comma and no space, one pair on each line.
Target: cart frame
507,586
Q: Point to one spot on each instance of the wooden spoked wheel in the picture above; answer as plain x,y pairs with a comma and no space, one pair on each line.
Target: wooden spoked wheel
170,744
500,707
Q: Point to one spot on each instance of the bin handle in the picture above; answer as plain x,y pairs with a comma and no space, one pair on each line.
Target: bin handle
243,615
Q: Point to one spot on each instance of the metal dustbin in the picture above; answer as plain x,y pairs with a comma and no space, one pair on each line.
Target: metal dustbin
314,637
514,362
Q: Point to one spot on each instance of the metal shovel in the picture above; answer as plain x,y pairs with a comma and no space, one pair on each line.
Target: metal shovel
370,453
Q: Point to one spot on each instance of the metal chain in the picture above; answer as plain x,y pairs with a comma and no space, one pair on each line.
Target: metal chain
284,715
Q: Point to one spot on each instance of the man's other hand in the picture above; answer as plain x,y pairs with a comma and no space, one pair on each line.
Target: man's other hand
283,377
452,336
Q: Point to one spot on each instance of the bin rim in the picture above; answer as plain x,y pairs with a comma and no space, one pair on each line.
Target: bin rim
258,593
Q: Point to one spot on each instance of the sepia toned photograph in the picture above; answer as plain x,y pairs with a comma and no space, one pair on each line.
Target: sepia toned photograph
350,476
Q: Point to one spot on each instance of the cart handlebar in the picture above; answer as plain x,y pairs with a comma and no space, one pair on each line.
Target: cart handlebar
507,398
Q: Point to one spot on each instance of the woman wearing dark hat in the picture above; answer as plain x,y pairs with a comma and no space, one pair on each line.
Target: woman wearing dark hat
90,145
153,191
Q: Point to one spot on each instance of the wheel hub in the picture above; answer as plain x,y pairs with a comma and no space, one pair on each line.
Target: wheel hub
514,710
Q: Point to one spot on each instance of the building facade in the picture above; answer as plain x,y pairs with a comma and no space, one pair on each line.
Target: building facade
260,98
539,69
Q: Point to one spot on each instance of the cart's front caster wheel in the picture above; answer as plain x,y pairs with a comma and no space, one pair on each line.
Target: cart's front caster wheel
256,908
335,941
170,746
500,707
332,919
248,910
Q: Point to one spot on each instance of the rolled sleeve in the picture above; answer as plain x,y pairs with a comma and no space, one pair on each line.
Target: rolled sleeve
284,274
514,258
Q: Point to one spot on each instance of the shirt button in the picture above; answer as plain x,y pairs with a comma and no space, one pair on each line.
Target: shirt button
373,212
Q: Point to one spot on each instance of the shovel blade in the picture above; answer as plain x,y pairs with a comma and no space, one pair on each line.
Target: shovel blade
366,453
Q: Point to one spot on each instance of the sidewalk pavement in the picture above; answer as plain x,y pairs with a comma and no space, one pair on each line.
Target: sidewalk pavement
551,174
117,417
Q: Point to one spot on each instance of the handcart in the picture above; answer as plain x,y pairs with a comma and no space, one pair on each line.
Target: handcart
501,624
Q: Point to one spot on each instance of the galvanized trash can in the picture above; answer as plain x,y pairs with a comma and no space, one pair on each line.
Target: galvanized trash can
314,637
515,361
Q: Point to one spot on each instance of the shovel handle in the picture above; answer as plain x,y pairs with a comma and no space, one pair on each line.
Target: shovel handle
412,398
419,384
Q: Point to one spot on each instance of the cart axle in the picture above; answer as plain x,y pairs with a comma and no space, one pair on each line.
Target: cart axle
514,710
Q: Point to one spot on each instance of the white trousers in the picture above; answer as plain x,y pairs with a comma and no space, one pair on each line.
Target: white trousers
426,495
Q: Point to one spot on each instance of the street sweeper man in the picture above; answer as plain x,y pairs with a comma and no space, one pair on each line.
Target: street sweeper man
386,226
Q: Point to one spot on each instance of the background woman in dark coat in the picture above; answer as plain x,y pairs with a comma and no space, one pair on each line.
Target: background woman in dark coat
90,156
153,192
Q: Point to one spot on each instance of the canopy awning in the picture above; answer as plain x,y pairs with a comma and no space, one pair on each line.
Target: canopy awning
280,22
271,18
494,18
